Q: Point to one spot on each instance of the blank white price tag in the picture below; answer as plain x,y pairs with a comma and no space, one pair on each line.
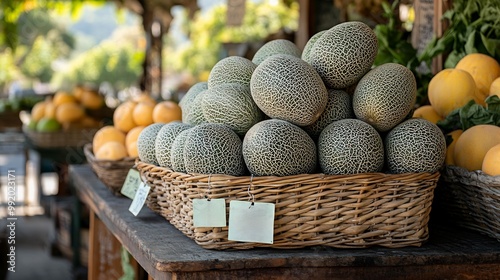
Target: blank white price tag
209,213
131,184
139,199
251,222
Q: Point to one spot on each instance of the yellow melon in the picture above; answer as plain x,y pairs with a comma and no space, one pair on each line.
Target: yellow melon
63,97
143,97
451,147
50,110
38,111
69,112
428,113
484,69
495,87
91,99
106,134
123,116
133,134
472,145
167,111
143,113
450,89
111,151
491,161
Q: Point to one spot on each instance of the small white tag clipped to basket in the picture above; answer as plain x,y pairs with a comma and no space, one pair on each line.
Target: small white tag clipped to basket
251,221
131,184
139,199
209,212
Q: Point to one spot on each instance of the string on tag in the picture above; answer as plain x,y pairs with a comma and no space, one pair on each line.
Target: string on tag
250,194
209,188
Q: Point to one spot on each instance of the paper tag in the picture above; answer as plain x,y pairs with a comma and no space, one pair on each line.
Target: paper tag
209,213
131,184
139,199
251,222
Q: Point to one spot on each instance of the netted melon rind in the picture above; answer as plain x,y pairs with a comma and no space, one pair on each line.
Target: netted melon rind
177,151
414,146
231,104
164,140
213,149
288,88
187,99
350,146
146,143
277,46
385,96
309,45
232,69
278,148
344,53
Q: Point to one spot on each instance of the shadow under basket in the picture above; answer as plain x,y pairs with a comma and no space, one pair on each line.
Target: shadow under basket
111,172
470,199
343,211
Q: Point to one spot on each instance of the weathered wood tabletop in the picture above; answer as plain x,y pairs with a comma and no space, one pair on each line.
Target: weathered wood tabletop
166,253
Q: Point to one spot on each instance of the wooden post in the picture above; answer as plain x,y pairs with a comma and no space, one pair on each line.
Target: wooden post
440,7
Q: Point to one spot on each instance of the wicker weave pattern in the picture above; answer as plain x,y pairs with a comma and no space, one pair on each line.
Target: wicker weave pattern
471,199
60,139
111,172
353,211
153,176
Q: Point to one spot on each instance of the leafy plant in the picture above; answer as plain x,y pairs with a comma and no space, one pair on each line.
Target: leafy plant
394,46
474,27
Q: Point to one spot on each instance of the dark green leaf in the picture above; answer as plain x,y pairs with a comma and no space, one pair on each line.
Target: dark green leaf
470,45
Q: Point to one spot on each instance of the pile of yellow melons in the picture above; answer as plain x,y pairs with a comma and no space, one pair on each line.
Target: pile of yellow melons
475,77
118,141
66,110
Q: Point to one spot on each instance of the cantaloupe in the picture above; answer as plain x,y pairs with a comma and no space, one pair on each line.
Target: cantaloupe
288,88
414,146
187,100
232,69
213,149
350,146
276,46
146,143
164,140
193,115
177,151
473,144
309,45
339,107
231,104
385,96
344,53
278,148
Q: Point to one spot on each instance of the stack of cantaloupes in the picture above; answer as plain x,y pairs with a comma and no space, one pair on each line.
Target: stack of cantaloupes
288,112
475,77
119,140
65,111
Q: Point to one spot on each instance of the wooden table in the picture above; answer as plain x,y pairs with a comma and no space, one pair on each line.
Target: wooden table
165,253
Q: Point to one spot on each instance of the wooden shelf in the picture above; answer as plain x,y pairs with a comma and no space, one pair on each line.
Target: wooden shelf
165,253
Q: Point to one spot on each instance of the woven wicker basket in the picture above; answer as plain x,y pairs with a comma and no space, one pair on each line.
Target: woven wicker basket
154,176
348,211
60,139
470,199
111,172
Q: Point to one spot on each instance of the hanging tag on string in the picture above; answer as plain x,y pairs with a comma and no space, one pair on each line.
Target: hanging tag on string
209,212
139,199
131,184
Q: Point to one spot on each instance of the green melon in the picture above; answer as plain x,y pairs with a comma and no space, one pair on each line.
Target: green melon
414,146
177,151
344,53
231,104
164,140
278,148
213,149
385,96
194,113
309,45
350,146
232,69
288,88
187,99
276,46
146,143
339,107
